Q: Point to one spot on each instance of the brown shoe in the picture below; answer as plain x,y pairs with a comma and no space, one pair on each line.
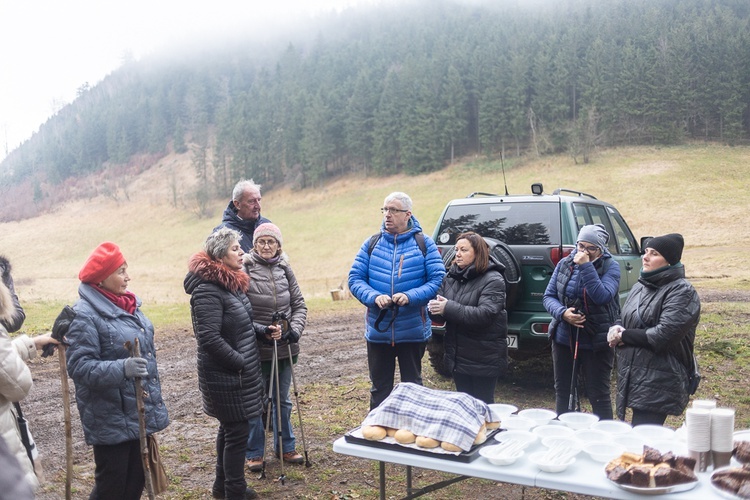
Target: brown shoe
293,457
255,464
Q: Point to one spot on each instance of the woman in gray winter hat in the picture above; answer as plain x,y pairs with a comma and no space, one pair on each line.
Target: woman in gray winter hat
582,298
655,335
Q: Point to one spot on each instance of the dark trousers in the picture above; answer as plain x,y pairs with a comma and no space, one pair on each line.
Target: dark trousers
381,360
482,388
231,442
647,417
596,369
119,471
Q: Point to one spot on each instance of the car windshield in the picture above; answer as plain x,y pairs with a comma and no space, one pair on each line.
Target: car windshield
512,223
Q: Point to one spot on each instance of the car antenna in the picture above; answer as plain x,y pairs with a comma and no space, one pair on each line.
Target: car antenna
502,166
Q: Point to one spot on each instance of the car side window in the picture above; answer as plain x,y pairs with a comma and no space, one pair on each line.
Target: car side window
623,235
595,214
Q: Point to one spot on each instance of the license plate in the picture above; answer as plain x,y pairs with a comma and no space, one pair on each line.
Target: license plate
512,341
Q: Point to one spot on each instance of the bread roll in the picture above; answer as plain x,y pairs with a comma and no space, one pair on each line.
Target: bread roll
481,436
450,447
405,437
493,425
390,432
373,432
427,442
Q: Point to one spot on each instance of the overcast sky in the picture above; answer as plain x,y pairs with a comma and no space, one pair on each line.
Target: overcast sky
50,48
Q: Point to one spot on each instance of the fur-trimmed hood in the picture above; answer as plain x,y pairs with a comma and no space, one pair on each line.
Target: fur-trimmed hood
204,268
11,314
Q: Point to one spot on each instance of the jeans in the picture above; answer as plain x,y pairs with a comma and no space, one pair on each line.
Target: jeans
256,442
119,471
482,388
596,369
381,360
231,441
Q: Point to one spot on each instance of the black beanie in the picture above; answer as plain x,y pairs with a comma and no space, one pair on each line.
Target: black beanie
669,246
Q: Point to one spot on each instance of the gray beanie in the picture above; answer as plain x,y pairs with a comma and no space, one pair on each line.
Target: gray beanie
594,234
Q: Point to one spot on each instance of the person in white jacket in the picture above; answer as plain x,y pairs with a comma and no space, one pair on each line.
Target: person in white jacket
15,376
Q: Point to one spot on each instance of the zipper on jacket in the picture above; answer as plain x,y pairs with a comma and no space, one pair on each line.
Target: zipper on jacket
393,285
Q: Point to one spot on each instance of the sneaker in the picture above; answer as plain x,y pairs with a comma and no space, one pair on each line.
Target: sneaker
293,457
255,464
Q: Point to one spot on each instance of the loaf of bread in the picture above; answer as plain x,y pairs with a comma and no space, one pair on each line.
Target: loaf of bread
390,432
427,442
373,432
404,437
481,436
493,425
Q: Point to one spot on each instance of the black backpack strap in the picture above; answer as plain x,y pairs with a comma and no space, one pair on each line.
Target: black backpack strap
381,316
418,237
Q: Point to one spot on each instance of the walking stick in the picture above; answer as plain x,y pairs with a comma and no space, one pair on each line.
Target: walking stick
296,402
277,403
66,414
269,408
136,353
573,388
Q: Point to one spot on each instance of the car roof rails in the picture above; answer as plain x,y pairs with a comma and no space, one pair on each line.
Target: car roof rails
577,193
479,193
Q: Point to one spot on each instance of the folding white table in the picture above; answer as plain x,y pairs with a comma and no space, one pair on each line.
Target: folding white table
585,476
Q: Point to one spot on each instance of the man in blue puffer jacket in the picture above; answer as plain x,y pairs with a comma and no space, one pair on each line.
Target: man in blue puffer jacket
395,279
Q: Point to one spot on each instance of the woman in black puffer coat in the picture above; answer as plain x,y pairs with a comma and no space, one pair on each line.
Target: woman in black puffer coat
228,358
655,336
471,301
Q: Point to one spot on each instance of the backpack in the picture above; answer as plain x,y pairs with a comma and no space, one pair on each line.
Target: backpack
418,236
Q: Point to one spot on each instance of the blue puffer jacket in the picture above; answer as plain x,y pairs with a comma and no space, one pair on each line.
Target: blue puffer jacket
96,363
397,265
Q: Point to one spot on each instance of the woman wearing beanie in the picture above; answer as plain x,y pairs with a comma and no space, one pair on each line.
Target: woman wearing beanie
228,359
108,316
654,337
274,289
582,298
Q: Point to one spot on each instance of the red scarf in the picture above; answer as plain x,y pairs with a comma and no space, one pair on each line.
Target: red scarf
125,301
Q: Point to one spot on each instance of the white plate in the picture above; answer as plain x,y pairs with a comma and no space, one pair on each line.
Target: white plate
525,436
541,416
743,435
548,430
657,490
613,427
502,410
653,432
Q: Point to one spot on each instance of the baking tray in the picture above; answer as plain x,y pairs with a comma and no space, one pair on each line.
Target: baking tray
391,444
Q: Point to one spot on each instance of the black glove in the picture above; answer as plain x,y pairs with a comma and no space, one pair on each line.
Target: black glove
290,336
136,367
60,329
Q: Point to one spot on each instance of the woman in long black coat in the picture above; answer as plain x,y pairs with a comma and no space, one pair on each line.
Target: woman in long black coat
228,357
471,300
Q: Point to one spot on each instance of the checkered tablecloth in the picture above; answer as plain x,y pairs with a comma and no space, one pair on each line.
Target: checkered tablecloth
454,417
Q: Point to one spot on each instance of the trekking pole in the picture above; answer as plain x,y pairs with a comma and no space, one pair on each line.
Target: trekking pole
267,423
66,415
282,477
136,353
573,388
296,402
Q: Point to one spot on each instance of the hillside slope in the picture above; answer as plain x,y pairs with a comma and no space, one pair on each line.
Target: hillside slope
699,191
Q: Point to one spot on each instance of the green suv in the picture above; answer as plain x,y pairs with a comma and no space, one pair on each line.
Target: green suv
529,234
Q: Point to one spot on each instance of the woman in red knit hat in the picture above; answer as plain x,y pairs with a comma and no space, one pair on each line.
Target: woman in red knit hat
107,317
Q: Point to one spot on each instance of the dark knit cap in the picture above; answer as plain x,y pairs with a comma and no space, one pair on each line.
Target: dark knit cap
669,246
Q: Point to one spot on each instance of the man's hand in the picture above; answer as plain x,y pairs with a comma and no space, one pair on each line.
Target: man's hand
383,301
400,299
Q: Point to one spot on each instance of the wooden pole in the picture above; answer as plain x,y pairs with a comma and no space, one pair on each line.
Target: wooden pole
66,413
136,352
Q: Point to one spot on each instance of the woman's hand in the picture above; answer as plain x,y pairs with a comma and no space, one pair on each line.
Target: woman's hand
42,340
570,316
436,306
614,335
273,332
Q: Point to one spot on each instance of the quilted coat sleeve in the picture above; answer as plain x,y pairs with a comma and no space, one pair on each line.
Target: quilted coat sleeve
601,291
84,355
489,302
208,312
15,376
297,303
679,314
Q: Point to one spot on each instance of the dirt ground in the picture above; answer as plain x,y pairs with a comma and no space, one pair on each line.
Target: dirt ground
333,395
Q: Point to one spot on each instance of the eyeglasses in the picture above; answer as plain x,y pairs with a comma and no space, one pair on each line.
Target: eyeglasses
387,210
587,248
266,243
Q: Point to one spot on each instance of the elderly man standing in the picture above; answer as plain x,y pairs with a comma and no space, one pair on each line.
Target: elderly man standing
395,274
243,212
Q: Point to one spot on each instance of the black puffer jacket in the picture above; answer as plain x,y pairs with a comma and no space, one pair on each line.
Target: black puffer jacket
228,357
476,322
660,318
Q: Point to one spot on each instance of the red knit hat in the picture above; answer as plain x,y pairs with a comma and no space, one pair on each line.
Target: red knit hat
103,261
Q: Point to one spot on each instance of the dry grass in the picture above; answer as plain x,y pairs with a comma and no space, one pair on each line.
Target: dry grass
696,190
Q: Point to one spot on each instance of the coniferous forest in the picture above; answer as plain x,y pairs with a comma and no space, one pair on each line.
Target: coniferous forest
409,88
